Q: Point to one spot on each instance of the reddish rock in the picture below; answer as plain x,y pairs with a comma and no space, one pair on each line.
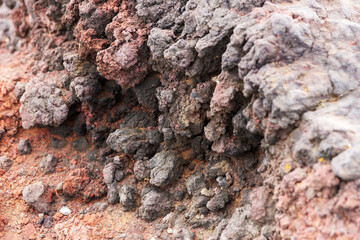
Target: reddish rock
94,190
126,59
76,181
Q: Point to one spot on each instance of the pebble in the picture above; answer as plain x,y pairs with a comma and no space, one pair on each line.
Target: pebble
65,211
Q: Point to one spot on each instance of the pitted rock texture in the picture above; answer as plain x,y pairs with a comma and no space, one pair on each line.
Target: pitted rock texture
42,104
215,119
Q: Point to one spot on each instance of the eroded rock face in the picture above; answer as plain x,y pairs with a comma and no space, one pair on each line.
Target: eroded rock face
256,101
125,60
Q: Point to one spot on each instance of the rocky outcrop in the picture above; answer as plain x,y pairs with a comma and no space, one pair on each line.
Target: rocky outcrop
243,113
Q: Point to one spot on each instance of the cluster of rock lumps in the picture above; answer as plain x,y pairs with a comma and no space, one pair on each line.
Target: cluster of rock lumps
188,105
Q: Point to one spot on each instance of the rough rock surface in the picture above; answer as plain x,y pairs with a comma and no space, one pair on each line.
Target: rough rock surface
42,104
234,119
48,164
165,168
5,163
38,196
24,146
154,204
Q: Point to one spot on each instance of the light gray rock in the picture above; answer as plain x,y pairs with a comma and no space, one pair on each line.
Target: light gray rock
65,211
237,227
42,104
34,196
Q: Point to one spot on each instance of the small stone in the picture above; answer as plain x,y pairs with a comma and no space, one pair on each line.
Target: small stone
207,193
165,168
154,204
48,164
127,197
59,187
65,211
200,201
141,170
181,208
346,165
113,196
119,175
19,89
195,183
109,173
218,169
38,196
24,146
48,222
218,201
5,163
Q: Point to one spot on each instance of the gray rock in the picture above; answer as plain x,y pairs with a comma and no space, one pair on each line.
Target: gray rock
127,196
145,92
237,227
42,104
154,204
336,130
195,183
95,208
5,163
218,201
166,167
200,201
181,232
347,164
109,172
56,143
48,164
179,195
34,196
76,66
85,88
141,170
218,169
92,155
112,195
127,140
24,147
